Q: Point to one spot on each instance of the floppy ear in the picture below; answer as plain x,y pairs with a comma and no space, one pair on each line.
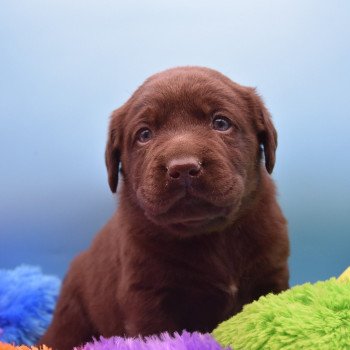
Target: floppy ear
267,134
113,149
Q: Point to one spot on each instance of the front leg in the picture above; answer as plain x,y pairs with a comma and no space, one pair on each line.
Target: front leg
144,314
274,281
70,326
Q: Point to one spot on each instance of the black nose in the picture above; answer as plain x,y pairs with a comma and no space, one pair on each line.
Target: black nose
184,168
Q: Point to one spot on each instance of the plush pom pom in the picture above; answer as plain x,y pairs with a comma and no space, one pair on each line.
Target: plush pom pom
184,341
27,301
4,346
310,316
345,276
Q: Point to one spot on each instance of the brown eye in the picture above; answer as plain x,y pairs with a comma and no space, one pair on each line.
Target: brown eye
221,123
144,135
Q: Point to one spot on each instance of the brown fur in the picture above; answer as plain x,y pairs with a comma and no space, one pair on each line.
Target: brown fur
180,256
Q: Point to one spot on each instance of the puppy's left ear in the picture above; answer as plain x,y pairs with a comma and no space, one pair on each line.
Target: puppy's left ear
113,149
267,134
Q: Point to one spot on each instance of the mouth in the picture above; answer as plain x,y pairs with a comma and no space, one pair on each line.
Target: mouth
192,213
203,223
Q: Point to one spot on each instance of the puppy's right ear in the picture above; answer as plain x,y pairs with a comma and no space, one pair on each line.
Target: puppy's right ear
113,149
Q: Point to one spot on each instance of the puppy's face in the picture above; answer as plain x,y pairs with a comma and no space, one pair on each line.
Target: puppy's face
189,140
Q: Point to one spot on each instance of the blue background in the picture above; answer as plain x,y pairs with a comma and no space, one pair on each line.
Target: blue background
65,65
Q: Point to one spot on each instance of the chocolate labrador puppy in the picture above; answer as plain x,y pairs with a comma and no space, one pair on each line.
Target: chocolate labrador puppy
198,232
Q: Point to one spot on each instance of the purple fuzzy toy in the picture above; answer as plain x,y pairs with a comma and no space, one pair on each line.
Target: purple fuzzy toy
184,341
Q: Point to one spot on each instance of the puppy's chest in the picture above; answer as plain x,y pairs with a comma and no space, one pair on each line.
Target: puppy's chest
186,286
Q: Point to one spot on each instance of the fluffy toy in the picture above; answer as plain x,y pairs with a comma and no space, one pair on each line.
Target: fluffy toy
310,316
4,346
184,341
27,301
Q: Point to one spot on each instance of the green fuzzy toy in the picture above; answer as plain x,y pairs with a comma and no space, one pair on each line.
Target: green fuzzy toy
309,316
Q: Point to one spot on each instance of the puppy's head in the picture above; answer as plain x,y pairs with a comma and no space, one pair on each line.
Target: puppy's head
191,143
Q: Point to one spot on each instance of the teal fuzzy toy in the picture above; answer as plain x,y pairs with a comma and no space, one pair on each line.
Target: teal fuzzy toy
310,316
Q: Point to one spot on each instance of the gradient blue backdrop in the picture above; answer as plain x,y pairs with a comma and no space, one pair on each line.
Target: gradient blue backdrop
65,65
